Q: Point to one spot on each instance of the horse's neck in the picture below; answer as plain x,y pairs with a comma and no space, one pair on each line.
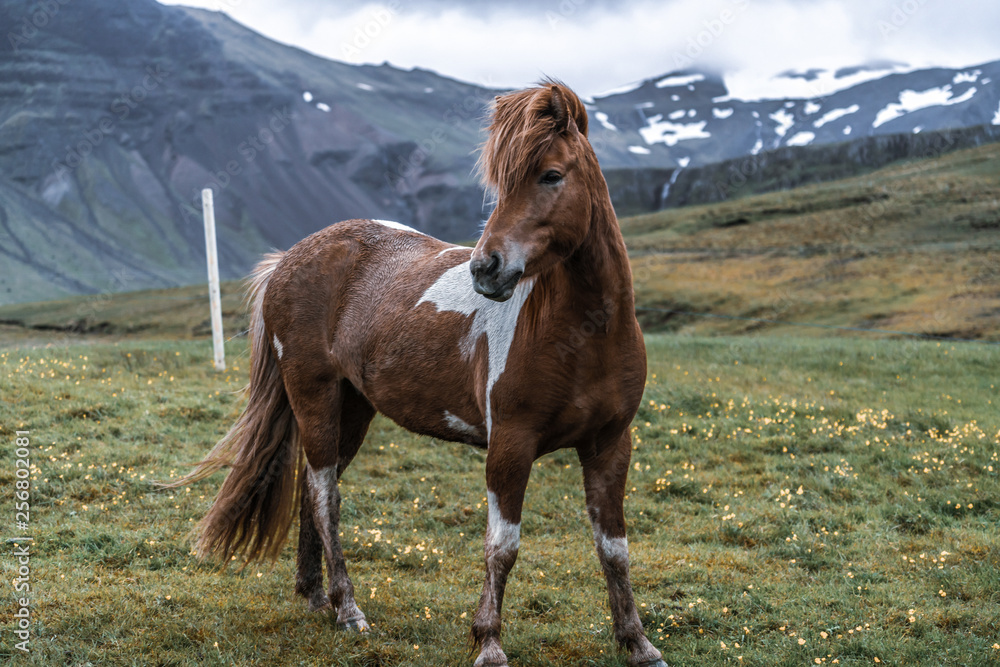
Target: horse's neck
598,271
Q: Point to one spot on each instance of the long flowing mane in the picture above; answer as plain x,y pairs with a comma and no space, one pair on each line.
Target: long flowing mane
522,129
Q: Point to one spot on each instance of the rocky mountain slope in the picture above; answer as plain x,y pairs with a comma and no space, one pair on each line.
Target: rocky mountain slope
113,116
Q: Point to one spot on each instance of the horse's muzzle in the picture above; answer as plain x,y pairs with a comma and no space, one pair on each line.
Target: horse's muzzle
493,278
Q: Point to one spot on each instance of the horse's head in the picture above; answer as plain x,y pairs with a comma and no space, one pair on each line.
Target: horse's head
539,164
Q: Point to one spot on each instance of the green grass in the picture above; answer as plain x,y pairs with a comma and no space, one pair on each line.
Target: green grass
791,500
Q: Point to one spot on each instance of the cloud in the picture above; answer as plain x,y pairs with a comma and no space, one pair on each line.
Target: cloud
596,45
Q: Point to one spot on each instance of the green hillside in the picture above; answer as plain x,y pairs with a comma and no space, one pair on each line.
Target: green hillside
180,312
914,246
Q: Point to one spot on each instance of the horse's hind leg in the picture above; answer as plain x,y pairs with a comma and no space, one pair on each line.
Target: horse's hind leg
309,568
325,496
604,477
355,415
332,421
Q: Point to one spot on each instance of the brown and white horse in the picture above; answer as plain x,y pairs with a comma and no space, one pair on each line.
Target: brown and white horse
524,345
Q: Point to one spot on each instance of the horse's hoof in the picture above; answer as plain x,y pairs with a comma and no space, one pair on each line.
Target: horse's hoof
320,604
359,624
491,661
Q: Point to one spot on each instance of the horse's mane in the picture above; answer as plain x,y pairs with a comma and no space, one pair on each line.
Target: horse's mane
523,126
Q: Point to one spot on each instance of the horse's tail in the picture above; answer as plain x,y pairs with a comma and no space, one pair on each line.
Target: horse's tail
256,505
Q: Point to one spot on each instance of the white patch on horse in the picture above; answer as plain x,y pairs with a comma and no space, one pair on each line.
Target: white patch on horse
398,225
459,425
322,482
501,534
610,548
498,320
278,347
457,247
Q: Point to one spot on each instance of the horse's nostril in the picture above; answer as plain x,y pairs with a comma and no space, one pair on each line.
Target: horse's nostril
494,264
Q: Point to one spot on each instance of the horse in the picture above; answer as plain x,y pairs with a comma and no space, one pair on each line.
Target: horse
523,345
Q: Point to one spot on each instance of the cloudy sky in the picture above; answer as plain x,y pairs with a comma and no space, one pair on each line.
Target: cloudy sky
597,45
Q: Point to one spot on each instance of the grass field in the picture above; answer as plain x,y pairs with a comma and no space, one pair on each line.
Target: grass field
799,495
793,501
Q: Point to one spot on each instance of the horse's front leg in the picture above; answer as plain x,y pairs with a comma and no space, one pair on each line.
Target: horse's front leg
507,469
604,477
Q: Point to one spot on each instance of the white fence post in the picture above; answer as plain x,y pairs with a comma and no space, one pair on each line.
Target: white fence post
215,298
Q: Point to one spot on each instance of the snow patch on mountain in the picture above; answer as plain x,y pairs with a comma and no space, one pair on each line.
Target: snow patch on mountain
722,113
784,120
833,115
970,77
621,90
602,118
681,80
911,100
801,139
996,118
754,86
639,150
663,131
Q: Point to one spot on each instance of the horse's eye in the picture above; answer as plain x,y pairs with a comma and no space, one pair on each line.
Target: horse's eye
551,177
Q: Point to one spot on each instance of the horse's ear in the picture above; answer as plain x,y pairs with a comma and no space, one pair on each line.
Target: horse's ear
567,110
557,107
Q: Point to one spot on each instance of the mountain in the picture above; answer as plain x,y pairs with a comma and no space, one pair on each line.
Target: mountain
113,117
689,118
